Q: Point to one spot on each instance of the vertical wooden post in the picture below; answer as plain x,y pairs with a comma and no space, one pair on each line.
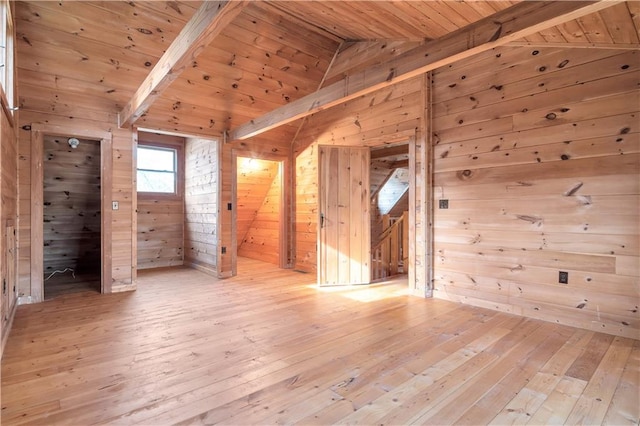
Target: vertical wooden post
405,241
37,232
385,248
422,172
395,248
413,208
427,188
227,244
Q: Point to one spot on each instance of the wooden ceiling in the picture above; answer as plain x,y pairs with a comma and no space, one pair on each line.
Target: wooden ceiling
86,59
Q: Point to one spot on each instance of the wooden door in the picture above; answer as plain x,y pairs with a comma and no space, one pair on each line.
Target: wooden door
344,233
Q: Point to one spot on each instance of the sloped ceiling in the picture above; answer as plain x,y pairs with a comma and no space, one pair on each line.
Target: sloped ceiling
97,53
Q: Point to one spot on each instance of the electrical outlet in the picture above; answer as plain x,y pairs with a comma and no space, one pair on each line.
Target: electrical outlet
444,204
563,277
115,205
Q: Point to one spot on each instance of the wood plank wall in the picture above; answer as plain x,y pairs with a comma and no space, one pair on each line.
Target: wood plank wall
254,179
161,218
536,151
201,204
71,206
258,220
306,213
8,221
123,236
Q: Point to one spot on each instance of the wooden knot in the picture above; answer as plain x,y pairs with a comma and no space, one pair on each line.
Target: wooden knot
465,174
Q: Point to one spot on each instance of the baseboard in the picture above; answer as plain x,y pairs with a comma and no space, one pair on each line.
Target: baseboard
202,268
5,333
123,288
25,300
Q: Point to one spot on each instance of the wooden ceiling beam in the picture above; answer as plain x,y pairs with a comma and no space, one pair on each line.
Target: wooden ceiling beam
389,151
496,30
208,21
400,164
575,45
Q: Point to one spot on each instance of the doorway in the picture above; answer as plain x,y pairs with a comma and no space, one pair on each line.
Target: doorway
259,207
390,181
73,214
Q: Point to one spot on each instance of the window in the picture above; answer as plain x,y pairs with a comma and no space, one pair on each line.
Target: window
157,170
7,80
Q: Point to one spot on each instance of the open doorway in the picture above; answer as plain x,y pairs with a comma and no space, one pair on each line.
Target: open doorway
390,181
64,133
259,208
71,215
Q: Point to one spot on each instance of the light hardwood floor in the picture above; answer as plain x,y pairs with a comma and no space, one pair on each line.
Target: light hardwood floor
267,347
58,285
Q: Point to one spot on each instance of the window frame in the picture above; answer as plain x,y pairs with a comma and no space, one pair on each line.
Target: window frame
7,58
179,172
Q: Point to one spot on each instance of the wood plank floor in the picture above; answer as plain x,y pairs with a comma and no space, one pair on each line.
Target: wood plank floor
267,347
58,285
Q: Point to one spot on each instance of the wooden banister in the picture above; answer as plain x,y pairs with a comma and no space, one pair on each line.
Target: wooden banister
389,254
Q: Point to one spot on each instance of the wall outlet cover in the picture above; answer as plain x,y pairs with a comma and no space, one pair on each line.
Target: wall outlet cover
563,277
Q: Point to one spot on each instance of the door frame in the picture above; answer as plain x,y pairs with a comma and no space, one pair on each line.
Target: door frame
285,221
38,131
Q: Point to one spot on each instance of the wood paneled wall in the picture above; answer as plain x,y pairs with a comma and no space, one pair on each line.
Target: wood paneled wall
254,179
160,233
161,218
306,218
8,222
201,201
258,193
71,206
536,151
122,220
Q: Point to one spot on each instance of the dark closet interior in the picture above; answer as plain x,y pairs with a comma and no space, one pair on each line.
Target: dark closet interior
72,224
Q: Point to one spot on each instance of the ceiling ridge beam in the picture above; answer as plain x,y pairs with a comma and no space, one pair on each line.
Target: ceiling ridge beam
207,22
503,27
577,45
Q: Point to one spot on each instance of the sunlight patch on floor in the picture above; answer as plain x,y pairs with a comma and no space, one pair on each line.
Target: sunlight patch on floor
366,293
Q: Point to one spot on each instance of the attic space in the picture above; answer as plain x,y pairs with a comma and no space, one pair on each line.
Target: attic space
320,212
